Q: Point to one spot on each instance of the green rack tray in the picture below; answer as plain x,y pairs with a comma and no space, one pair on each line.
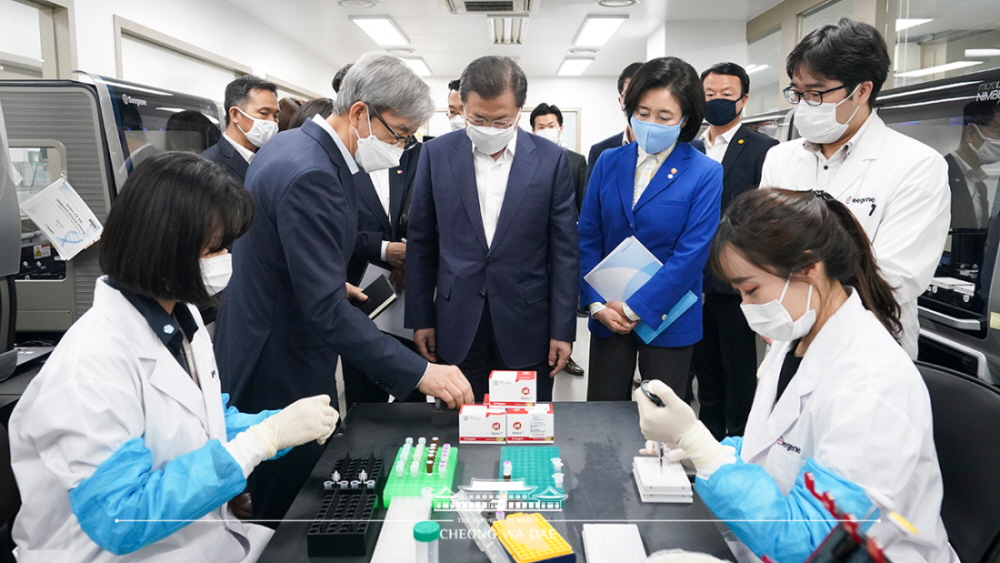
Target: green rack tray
406,486
534,465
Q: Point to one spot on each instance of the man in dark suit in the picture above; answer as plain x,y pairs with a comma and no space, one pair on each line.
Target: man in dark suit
384,200
618,139
492,257
251,120
286,316
725,360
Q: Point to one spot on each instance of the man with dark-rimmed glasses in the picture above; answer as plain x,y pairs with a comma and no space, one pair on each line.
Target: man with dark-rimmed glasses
896,187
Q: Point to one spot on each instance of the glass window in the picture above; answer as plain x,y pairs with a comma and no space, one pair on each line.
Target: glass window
933,40
152,65
21,40
35,168
826,13
766,72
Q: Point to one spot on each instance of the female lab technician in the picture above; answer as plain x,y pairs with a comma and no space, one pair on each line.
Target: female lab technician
837,396
667,195
122,446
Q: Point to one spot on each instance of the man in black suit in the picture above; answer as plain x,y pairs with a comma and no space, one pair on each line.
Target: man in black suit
383,205
618,139
251,120
725,360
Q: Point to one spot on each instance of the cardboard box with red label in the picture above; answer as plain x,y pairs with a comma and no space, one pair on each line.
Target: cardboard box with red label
513,388
482,423
535,424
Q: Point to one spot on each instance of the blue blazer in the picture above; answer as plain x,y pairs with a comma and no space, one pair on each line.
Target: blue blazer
531,270
374,226
285,316
225,154
675,218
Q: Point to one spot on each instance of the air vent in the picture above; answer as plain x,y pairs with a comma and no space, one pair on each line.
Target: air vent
487,6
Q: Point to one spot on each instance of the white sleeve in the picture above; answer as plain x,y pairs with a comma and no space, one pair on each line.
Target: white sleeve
914,227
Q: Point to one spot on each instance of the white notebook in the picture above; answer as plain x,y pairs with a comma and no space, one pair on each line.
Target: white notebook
613,543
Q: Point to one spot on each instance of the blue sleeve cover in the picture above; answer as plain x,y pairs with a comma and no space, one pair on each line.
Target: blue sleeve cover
786,528
736,442
126,505
237,422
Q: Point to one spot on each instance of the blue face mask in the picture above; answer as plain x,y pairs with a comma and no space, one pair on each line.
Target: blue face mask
653,137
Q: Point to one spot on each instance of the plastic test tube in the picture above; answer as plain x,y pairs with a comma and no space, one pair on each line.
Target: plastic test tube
327,485
335,476
409,441
363,476
558,478
422,441
427,534
508,470
355,484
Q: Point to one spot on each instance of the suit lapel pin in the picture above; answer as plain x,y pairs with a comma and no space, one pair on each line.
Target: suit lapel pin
400,171
740,142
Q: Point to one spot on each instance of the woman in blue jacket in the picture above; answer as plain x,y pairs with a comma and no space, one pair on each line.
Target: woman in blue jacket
666,194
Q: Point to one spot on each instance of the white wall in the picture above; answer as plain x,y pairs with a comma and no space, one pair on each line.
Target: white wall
597,99
700,43
217,27
19,30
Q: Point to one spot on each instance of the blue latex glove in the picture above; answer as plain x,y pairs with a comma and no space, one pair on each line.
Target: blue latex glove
786,528
126,505
237,421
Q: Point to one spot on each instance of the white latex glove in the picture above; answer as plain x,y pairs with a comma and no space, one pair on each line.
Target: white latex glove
675,423
673,453
301,422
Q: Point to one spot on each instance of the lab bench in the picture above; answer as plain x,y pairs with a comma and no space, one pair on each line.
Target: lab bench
596,441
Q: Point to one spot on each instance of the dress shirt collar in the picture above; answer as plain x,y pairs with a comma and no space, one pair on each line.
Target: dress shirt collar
351,164
246,153
660,157
163,323
726,137
975,174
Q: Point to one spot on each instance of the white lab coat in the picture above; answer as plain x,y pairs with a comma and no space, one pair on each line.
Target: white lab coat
858,406
897,188
111,379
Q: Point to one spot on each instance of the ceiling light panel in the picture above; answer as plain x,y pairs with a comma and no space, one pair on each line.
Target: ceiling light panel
936,69
381,29
573,67
596,31
902,24
507,30
418,66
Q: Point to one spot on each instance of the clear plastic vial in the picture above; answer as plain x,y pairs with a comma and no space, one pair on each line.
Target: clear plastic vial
427,534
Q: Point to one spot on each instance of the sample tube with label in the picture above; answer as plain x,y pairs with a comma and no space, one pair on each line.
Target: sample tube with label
427,534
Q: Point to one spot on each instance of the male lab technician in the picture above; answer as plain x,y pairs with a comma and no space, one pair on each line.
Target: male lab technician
251,120
492,259
725,359
286,316
896,187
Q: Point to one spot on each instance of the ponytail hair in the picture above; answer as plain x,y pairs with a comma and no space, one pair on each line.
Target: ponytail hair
784,232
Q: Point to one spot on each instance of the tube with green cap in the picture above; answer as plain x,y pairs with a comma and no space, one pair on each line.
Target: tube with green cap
427,534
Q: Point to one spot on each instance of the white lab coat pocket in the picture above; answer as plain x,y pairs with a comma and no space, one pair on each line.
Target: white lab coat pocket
784,466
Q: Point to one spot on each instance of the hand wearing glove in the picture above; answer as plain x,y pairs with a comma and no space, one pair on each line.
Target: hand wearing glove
673,453
301,422
675,423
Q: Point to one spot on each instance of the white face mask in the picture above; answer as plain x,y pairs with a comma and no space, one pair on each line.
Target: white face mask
989,151
261,132
216,271
490,140
456,123
772,320
373,154
551,134
818,124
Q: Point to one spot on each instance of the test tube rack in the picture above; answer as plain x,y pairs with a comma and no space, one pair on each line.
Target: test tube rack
342,525
534,466
404,483
529,538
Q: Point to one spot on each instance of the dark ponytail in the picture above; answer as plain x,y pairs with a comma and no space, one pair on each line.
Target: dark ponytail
785,232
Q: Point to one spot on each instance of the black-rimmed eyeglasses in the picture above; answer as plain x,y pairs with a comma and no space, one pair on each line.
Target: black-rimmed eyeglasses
408,142
811,97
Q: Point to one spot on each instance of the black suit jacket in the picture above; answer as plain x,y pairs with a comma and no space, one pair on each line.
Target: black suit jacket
741,168
963,208
578,168
616,141
373,225
232,161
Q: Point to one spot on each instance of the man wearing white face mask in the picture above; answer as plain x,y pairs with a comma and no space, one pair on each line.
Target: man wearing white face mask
287,318
980,146
251,120
492,258
897,187
547,122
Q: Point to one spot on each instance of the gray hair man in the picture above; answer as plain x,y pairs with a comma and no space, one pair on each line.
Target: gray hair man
288,314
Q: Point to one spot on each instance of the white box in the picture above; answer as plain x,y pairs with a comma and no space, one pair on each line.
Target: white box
535,424
482,423
513,388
